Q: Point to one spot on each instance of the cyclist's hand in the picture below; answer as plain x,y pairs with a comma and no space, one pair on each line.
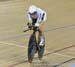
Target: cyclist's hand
35,28
29,25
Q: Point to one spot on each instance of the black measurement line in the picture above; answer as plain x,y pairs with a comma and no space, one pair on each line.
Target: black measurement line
64,62
59,50
48,54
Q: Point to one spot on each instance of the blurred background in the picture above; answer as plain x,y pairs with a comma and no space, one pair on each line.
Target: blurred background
59,31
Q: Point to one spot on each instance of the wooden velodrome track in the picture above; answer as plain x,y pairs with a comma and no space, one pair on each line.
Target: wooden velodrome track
59,32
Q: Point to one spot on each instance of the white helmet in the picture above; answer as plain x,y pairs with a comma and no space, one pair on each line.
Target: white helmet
32,9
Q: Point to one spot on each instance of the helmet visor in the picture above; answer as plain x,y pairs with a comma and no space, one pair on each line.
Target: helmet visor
33,13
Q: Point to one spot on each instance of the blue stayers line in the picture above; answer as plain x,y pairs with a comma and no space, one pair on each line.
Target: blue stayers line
72,65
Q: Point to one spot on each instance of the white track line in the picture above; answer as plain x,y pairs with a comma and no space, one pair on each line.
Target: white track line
2,42
60,54
64,55
11,44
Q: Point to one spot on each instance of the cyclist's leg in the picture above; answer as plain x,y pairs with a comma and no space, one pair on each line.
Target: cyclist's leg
41,35
41,31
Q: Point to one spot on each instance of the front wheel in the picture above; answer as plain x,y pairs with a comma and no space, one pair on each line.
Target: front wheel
31,48
31,52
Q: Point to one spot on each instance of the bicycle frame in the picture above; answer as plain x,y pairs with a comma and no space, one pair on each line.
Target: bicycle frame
33,47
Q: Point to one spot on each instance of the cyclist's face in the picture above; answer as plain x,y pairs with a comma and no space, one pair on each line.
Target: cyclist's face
34,16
